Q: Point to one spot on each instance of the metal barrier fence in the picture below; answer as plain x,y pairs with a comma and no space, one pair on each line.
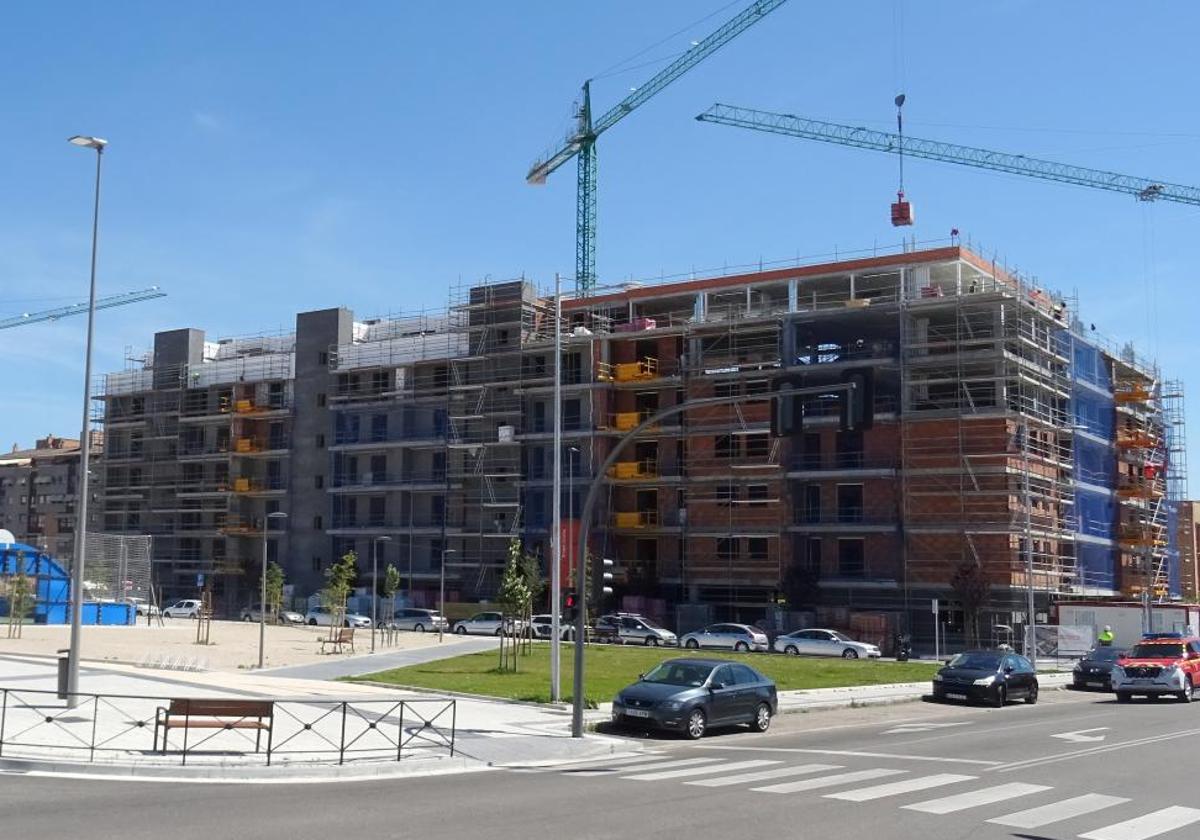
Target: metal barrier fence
39,724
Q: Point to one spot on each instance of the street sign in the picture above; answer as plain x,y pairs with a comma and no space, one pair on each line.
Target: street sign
935,606
200,581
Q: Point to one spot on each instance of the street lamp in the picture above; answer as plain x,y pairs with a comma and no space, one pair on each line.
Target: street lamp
85,440
375,585
262,601
442,592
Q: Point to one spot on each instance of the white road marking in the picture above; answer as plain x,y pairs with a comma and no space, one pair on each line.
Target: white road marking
1150,825
895,788
1090,751
763,775
657,765
697,771
910,728
1076,806
829,781
1081,736
976,798
640,758
857,754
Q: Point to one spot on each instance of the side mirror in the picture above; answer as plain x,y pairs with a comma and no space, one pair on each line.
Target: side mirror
1008,669
717,686
641,677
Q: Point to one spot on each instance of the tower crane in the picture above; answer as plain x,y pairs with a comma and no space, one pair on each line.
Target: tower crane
581,144
123,299
1143,189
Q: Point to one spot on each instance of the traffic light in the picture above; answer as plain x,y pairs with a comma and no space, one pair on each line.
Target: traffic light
858,405
606,578
569,604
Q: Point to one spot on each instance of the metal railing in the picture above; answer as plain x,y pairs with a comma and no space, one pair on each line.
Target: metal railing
39,724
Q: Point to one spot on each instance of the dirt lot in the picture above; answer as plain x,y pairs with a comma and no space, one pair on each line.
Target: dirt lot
233,645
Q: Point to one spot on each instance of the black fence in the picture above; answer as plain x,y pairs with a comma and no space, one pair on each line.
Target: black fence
39,724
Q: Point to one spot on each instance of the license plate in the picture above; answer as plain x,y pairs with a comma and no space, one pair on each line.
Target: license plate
1095,685
638,713
957,696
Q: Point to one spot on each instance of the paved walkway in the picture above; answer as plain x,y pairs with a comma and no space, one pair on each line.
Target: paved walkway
355,666
314,720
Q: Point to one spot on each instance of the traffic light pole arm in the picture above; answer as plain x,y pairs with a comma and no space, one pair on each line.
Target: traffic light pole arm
593,496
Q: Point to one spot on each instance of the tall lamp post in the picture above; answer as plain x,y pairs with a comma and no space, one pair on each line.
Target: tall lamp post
442,591
375,585
85,441
262,601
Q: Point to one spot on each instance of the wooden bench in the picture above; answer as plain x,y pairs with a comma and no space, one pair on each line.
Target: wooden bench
345,636
203,713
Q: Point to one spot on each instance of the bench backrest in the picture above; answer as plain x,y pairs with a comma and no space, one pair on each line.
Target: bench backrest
346,634
222,707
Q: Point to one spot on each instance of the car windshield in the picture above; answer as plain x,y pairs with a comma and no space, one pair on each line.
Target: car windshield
1104,654
841,637
976,661
1156,650
652,624
679,673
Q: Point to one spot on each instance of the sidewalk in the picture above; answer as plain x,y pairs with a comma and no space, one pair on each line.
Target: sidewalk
309,726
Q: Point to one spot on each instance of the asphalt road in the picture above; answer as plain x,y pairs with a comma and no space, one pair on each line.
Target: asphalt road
1074,766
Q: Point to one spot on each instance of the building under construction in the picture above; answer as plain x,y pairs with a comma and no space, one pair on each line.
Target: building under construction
1009,446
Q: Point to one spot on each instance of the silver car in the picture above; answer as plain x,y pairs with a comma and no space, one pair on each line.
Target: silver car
187,608
818,642
486,624
323,617
252,613
740,637
631,629
541,626
419,620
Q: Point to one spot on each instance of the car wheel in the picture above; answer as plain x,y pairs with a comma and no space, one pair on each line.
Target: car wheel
312,622
1031,697
691,644
696,724
420,628
792,650
460,630
849,653
1000,698
247,617
499,630
651,641
1124,696
762,718
1186,694
741,647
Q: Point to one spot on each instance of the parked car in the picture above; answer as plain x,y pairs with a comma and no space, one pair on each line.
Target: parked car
691,695
990,676
144,607
187,608
541,627
1095,669
419,620
251,613
487,624
323,617
1158,665
818,642
630,628
741,637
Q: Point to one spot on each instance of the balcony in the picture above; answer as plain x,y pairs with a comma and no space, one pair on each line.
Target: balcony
383,479
258,485
635,519
627,470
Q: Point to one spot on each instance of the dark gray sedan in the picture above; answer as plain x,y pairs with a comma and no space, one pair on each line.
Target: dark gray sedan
691,695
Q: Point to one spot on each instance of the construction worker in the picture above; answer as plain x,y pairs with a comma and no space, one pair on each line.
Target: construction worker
1106,636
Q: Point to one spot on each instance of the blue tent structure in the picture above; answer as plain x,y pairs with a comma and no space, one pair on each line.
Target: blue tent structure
52,588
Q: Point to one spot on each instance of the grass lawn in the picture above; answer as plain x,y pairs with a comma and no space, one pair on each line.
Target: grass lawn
610,668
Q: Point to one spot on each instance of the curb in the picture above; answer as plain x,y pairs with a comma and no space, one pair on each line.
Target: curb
232,774
562,708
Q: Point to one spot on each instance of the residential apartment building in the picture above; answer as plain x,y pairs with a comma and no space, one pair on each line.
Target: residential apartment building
39,492
1007,440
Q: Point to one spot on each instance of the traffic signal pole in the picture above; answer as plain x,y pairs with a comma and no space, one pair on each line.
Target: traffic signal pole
847,389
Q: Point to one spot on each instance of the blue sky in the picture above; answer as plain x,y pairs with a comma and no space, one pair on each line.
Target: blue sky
268,158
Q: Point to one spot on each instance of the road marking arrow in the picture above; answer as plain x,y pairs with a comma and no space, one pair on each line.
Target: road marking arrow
908,728
1081,736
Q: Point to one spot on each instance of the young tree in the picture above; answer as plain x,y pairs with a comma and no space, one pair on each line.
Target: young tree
513,599
391,585
275,581
340,579
971,587
20,600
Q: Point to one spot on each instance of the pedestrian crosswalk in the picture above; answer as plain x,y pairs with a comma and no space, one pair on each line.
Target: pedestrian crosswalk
1088,816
